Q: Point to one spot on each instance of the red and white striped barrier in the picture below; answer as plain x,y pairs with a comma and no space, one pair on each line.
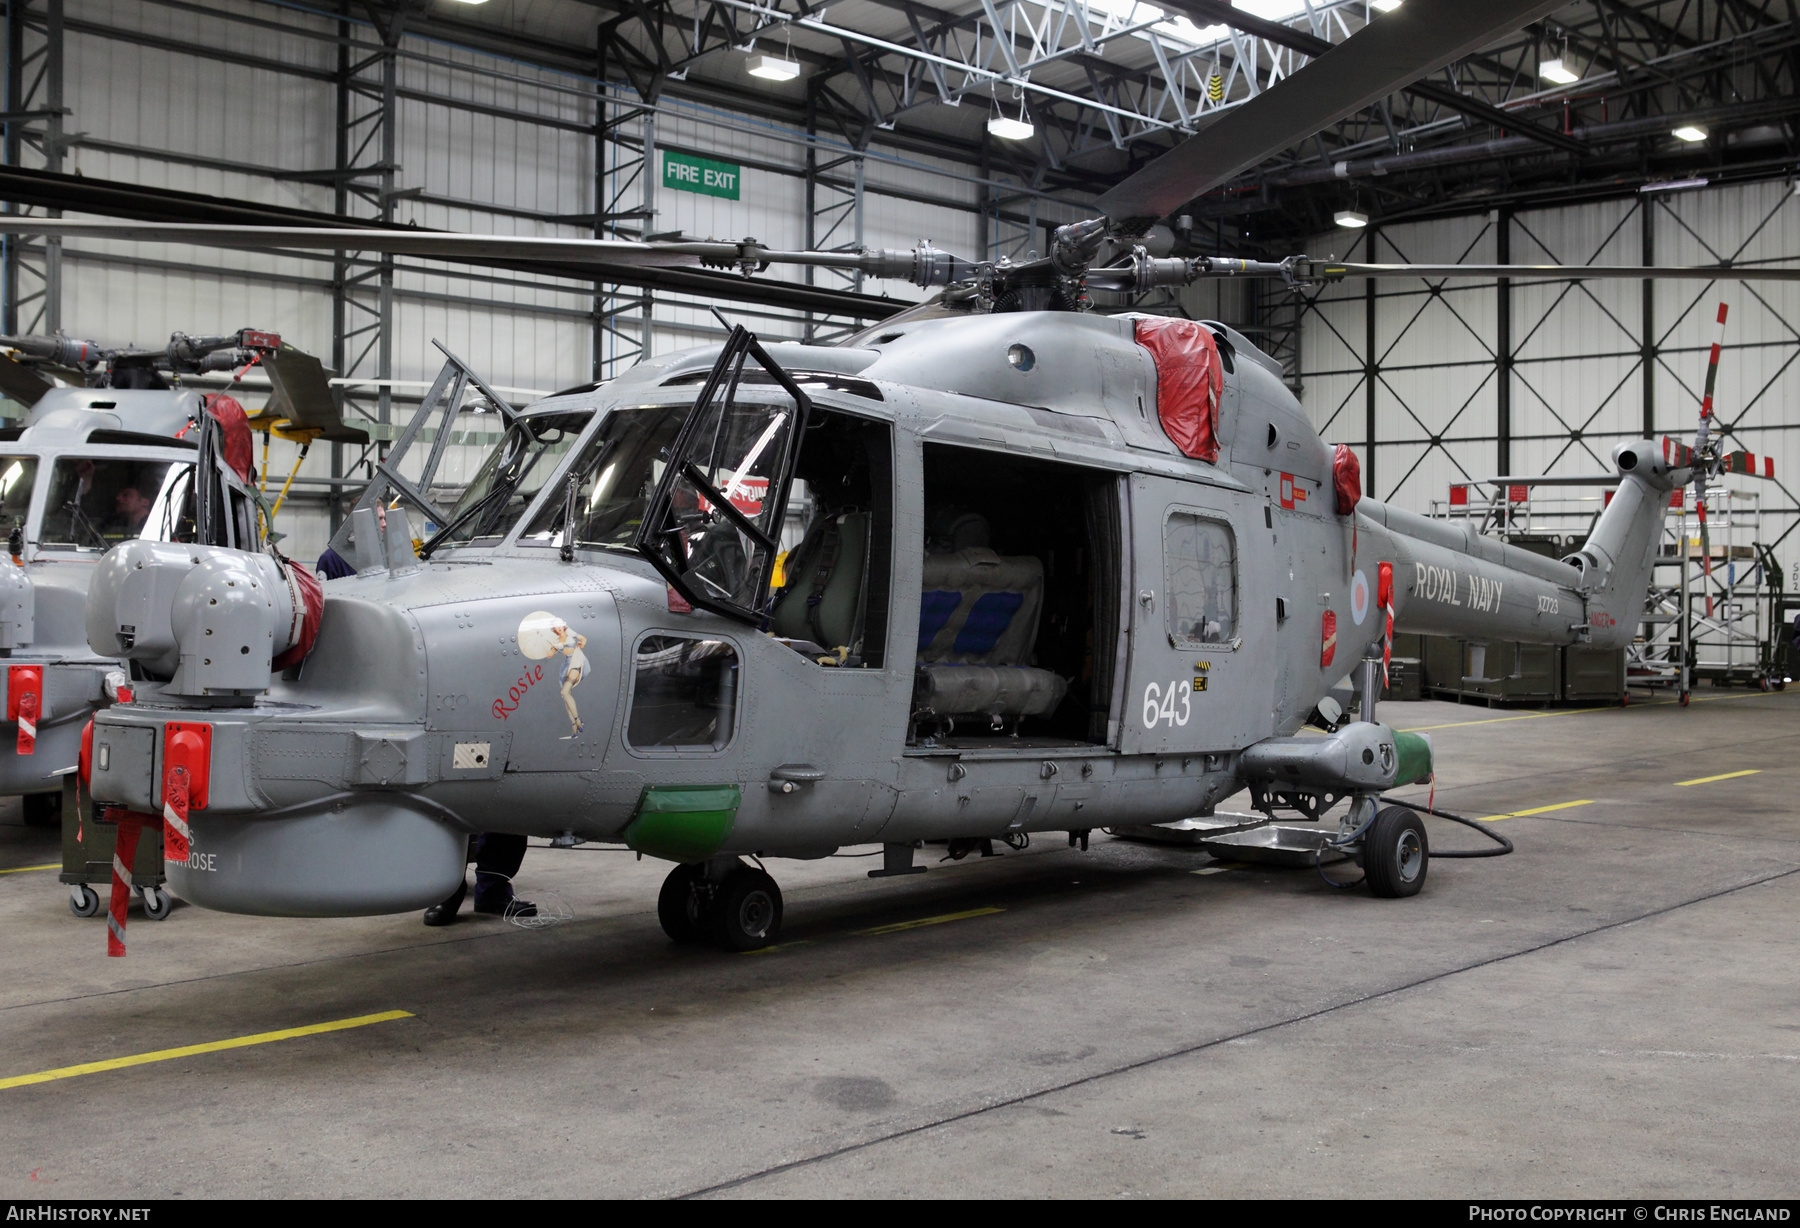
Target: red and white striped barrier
131,826
25,702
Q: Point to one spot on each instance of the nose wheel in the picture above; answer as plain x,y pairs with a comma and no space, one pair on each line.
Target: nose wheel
739,911
1396,854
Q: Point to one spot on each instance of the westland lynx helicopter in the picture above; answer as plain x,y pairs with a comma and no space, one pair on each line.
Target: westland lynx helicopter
105,457
1054,571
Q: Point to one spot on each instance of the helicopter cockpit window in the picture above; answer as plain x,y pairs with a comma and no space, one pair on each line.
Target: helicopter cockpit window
509,479
683,694
618,472
96,502
1200,559
17,476
714,523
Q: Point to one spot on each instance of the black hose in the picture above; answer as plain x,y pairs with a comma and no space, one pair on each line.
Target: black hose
1506,846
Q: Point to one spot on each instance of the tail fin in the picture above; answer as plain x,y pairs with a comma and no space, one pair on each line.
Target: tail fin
1616,562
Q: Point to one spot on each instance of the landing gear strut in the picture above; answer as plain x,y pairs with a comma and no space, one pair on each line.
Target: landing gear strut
732,904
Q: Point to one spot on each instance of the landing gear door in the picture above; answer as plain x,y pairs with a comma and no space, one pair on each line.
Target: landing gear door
713,526
1193,681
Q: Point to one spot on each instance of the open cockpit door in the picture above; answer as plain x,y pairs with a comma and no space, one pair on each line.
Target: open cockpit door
713,525
455,384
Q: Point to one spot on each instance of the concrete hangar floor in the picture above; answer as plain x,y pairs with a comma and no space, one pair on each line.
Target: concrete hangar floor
1610,1011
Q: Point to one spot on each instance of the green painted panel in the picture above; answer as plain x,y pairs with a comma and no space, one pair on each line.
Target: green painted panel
682,822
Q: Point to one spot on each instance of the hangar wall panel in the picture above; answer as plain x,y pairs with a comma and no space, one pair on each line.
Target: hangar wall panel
1577,384
481,144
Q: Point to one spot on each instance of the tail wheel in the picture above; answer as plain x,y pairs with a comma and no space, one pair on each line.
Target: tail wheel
681,907
1396,854
746,913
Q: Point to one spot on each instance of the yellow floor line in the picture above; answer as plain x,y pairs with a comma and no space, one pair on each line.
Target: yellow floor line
1495,720
780,946
1707,780
55,865
211,1046
1520,814
895,928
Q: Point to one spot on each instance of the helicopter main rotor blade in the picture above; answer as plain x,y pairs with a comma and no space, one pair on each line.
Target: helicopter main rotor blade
1394,50
440,245
452,245
1331,270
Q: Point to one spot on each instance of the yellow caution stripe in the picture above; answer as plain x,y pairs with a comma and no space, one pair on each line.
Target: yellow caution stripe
1707,780
897,926
1520,814
211,1046
55,865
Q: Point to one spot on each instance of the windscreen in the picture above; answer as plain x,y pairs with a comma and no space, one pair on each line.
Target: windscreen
96,502
509,479
619,469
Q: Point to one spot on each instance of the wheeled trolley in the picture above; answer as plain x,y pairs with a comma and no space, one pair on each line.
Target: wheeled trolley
87,859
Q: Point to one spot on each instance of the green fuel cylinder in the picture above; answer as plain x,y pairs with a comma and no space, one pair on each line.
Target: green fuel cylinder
1414,753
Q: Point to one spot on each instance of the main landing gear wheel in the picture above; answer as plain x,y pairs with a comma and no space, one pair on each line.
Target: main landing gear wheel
83,900
157,903
746,912
681,906
1396,854
42,809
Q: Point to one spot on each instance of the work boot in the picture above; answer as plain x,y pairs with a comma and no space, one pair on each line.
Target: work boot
445,913
493,896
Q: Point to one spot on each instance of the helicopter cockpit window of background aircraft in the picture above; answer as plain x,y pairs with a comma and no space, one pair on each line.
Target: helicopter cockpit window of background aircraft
1022,577
1200,565
96,502
18,474
509,479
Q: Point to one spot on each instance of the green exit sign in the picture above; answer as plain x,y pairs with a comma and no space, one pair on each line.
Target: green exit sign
686,173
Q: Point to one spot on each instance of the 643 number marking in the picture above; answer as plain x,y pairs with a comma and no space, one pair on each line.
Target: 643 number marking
1172,706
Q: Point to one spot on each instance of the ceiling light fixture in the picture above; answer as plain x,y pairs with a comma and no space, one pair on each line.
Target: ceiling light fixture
1691,132
1009,129
1385,6
1351,219
1557,72
774,68
1673,185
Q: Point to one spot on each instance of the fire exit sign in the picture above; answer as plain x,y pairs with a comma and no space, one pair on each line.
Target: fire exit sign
686,173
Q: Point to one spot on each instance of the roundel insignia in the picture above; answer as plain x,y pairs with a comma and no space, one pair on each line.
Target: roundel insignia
1359,598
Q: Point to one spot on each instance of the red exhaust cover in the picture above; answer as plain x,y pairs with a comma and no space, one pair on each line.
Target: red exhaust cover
1189,382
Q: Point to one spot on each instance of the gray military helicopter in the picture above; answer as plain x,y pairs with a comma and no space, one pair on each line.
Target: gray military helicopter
106,457
995,567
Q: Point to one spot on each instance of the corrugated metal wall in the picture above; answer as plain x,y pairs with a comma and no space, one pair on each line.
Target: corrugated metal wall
161,116
1576,386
